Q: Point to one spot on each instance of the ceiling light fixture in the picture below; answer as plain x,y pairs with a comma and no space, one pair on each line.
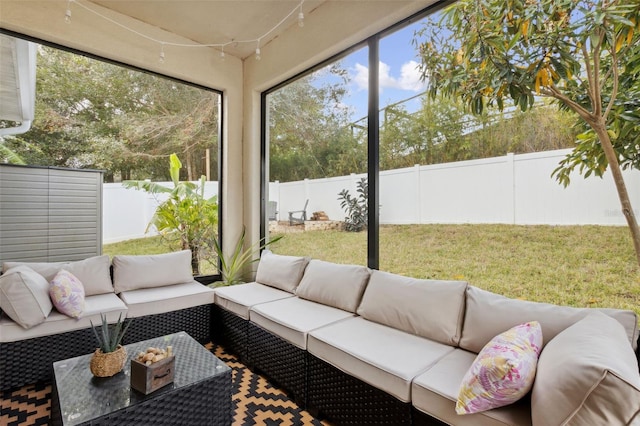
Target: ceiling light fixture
221,46
67,13
301,17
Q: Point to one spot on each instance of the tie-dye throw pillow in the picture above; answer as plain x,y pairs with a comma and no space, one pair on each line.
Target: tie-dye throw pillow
67,294
504,370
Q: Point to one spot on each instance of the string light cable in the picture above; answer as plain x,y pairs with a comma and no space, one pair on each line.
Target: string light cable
162,43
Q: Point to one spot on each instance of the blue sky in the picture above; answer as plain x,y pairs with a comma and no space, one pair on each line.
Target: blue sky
399,73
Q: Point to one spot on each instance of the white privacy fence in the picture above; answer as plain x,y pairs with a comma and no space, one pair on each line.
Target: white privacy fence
514,189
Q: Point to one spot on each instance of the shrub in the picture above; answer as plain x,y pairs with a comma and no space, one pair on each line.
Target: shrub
357,207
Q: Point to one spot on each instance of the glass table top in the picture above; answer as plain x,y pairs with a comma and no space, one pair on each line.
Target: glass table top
84,397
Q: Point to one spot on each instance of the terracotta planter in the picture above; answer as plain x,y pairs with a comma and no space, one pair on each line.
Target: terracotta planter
108,364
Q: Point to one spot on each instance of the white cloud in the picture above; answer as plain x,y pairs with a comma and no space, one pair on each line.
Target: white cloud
361,77
409,78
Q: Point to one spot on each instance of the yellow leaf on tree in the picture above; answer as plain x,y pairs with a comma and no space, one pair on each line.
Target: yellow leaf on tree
524,29
619,43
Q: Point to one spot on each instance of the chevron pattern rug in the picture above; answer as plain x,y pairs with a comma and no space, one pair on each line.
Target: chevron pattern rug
255,401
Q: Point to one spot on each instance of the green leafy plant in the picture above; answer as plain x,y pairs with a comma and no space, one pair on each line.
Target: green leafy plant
357,207
233,267
110,336
185,213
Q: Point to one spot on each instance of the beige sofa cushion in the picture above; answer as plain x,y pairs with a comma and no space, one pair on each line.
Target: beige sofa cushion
47,269
158,300
93,272
109,304
340,286
283,272
587,375
435,392
293,318
427,308
24,296
240,298
147,271
384,357
489,314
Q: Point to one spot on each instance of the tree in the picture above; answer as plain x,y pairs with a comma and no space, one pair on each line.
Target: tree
185,213
91,114
309,132
581,53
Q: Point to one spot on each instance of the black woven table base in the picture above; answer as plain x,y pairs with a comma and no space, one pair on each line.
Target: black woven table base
231,331
199,394
207,404
345,400
195,321
280,361
422,419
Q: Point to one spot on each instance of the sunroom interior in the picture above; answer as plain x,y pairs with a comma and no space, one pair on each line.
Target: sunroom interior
244,50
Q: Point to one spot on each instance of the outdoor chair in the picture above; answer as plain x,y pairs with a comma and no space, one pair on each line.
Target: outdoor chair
272,210
298,217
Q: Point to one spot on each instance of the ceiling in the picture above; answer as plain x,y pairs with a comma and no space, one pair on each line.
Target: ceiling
241,22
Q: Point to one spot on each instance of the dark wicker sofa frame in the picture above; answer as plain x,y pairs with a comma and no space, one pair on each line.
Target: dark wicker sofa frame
28,361
324,390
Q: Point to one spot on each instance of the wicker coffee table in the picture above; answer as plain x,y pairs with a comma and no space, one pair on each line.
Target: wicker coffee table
199,395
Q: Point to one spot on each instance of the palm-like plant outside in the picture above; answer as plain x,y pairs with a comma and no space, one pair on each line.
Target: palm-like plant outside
186,213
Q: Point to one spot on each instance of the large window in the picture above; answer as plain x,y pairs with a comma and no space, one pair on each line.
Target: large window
91,114
317,157
324,159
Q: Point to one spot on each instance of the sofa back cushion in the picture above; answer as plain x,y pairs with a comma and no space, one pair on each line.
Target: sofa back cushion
489,314
24,296
283,272
147,271
332,284
93,272
587,375
426,308
47,269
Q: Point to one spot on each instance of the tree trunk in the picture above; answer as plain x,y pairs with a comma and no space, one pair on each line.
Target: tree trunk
195,262
614,165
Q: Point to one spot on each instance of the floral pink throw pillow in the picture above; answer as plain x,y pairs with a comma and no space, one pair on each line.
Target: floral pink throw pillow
67,294
504,370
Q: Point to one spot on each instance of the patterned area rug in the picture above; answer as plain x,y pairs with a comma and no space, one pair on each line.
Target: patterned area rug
255,401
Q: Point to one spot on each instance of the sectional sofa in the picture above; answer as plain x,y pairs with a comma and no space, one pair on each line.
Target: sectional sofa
158,292
368,347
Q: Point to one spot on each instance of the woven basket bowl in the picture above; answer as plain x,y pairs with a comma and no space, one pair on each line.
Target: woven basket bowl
108,364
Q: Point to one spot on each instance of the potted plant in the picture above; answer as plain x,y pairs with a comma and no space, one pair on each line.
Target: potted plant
110,356
233,267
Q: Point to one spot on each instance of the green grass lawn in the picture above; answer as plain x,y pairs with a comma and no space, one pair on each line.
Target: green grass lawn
585,266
